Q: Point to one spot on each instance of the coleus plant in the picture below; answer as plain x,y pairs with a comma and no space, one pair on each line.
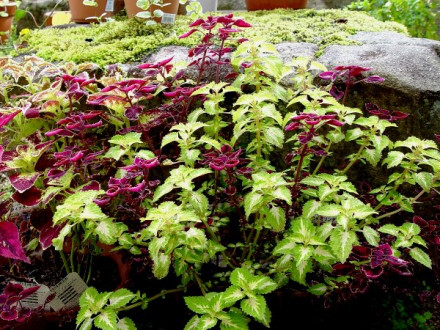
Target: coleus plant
235,175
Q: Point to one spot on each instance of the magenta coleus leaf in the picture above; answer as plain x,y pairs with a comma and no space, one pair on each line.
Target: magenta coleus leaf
10,246
48,233
30,197
23,182
6,118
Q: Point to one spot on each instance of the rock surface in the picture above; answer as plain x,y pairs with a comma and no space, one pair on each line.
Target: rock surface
410,66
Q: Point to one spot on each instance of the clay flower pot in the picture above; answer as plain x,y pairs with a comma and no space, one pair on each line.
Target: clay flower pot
80,11
6,22
171,9
253,5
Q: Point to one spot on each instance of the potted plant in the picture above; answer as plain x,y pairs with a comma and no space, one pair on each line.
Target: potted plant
162,11
275,4
7,12
82,10
200,6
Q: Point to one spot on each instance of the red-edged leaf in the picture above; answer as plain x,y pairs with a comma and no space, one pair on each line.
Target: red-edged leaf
10,246
92,185
6,118
29,291
13,289
30,197
23,182
9,315
48,234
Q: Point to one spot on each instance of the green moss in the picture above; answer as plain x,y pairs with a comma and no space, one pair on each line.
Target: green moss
130,40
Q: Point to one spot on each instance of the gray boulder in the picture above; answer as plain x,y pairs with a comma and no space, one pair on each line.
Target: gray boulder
411,68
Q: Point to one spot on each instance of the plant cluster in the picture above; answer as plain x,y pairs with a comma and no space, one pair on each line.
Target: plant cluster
222,187
420,16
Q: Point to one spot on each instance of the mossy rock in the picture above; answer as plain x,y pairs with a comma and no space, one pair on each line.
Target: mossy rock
130,40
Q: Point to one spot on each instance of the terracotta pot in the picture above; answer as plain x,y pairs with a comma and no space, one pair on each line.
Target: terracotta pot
171,9
275,4
6,22
80,12
5,26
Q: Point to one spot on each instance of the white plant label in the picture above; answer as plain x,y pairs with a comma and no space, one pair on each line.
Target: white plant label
168,18
68,291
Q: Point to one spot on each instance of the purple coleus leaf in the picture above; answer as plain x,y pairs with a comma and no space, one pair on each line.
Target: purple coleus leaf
385,114
10,246
223,159
30,197
9,315
7,117
23,182
48,233
438,298
29,111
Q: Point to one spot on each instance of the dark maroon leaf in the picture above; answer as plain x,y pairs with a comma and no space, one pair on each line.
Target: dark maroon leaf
10,246
23,182
48,234
13,289
30,197
9,315
29,291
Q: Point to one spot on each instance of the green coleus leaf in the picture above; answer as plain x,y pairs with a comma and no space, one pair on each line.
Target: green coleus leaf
121,298
252,203
341,243
86,324
421,256
106,320
299,271
126,140
199,305
284,194
313,181
393,159
231,296
88,298
371,235
424,180
329,210
257,308
318,289
169,138
372,155
162,190
234,320
126,324
106,231
161,265
274,136
240,277
285,246
310,208
114,152
389,229
193,323
302,229
302,253
58,242
262,284
199,202
92,212
275,218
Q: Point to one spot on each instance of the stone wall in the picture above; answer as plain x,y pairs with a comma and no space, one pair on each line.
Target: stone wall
319,4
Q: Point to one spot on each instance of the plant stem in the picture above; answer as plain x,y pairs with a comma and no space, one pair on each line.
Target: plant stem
389,214
89,273
215,238
66,264
157,296
199,282
72,254
215,192
356,158
300,163
321,161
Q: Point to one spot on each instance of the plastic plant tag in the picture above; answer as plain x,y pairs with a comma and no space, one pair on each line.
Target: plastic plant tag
110,5
37,299
168,18
67,291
